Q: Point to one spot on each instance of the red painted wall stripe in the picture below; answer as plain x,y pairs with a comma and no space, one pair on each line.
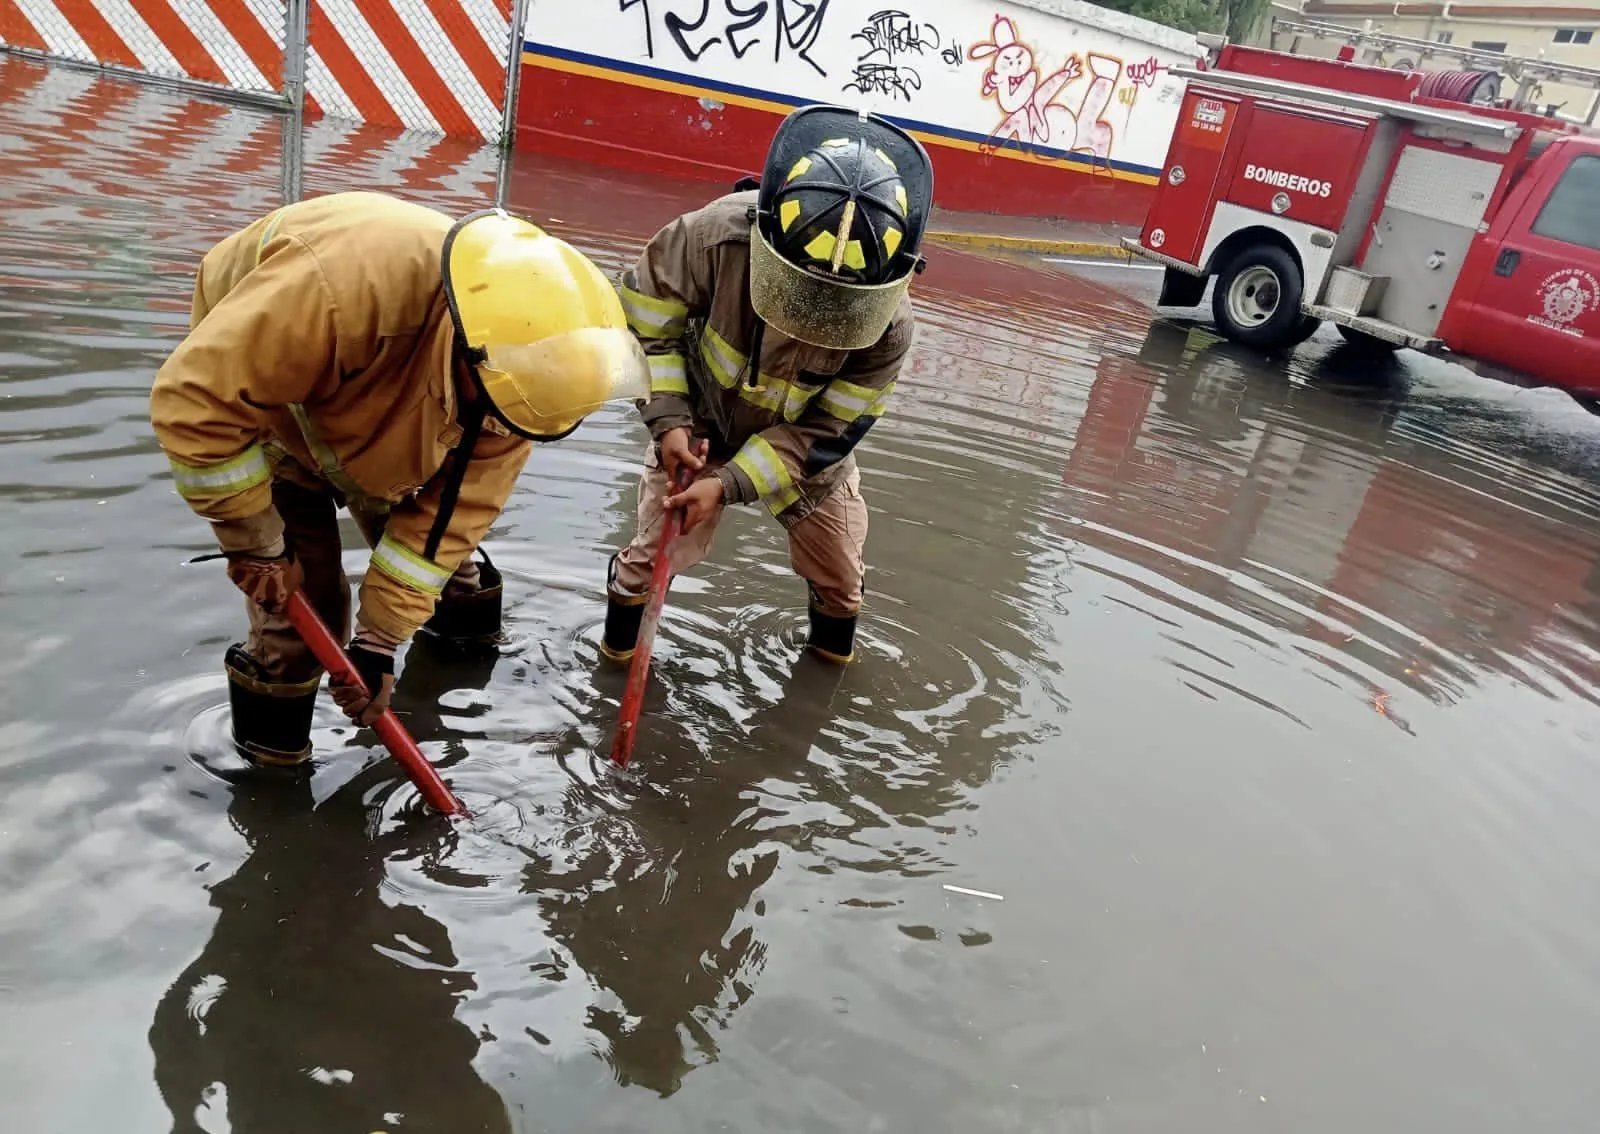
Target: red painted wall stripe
489,71
244,27
175,34
18,29
424,76
347,70
102,38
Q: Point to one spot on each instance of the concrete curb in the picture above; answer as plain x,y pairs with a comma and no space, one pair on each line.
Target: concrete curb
1043,245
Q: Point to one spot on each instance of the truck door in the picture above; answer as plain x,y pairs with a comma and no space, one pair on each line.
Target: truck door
1537,308
1181,212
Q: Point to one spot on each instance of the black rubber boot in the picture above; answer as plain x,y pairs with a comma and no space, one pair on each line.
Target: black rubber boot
472,620
833,637
624,614
271,720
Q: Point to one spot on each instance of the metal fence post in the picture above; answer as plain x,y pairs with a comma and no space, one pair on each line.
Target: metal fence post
508,117
295,45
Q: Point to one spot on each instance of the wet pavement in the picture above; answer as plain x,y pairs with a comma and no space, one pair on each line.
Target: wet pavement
1268,701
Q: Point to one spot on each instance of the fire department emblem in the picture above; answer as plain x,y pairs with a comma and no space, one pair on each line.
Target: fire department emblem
1568,294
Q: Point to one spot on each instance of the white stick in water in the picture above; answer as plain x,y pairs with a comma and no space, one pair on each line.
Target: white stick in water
974,893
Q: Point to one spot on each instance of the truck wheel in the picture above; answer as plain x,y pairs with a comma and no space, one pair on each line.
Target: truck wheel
1371,344
1257,298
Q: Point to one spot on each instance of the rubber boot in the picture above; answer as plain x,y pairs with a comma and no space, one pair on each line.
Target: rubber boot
471,620
624,615
833,636
271,720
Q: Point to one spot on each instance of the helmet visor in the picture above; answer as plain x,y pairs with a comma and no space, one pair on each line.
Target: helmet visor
543,390
822,312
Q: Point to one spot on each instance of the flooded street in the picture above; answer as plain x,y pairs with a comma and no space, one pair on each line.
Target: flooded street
1269,704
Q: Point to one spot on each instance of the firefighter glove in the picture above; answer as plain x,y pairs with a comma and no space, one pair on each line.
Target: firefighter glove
266,580
374,661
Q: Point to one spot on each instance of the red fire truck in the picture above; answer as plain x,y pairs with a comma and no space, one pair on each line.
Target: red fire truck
1319,190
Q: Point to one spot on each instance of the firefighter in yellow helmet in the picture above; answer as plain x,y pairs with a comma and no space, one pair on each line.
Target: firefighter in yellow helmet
363,351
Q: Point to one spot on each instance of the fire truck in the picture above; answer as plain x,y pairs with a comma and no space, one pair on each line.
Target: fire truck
1392,204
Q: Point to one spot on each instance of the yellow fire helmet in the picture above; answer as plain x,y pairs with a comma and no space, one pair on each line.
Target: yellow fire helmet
543,327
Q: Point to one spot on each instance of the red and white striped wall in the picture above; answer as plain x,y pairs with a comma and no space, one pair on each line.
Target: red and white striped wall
432,65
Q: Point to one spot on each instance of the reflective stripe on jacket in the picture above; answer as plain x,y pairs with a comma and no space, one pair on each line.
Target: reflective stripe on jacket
791,435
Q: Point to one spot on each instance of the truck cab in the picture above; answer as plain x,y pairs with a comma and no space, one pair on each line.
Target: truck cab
1530,288
1320,191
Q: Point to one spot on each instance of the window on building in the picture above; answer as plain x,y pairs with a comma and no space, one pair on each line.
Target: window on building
1444,37
1573,35
1572,214
1489,45
1582,36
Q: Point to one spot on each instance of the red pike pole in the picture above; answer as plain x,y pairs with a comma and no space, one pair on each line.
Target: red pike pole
660,578
388,727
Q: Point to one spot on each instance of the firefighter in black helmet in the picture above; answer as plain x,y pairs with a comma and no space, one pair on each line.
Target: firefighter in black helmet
776,322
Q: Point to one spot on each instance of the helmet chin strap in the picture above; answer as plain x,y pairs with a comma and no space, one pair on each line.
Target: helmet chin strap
754,364
474,407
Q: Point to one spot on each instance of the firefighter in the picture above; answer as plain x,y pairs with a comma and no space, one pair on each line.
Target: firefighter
362,351
808,275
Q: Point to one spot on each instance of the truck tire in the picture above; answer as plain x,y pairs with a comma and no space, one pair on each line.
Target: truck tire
1257,298
1370,344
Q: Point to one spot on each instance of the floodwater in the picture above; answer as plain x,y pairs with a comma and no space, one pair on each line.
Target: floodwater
1265,702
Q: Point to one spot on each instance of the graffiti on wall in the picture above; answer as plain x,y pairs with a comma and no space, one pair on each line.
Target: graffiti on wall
892,43
695,27
1020,82
1029,100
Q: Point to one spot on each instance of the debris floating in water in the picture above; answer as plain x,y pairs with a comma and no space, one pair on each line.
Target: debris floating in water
974,893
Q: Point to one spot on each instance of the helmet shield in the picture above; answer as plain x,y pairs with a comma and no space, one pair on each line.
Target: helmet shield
543,390
817,310
840,214
542,327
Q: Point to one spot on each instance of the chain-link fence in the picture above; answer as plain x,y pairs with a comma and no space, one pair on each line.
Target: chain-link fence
440,66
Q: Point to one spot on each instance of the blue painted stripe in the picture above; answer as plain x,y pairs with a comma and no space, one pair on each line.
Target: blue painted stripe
712,87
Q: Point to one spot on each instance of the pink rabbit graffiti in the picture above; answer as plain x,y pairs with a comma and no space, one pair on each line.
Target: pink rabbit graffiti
1032,115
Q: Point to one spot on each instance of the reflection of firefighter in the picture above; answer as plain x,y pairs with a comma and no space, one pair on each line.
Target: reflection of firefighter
807,277
663,940
316,1003
362,351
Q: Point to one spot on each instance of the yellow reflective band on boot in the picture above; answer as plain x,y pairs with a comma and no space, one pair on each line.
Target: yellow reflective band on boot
652,318
760,462
848,401
408,568
669,374
243,472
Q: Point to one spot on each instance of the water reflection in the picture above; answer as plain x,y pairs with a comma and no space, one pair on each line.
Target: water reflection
1311,505
1265,698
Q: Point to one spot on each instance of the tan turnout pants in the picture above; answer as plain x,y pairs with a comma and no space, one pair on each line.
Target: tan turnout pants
826,548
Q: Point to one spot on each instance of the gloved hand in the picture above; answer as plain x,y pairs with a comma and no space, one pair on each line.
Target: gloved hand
374,661
267,580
